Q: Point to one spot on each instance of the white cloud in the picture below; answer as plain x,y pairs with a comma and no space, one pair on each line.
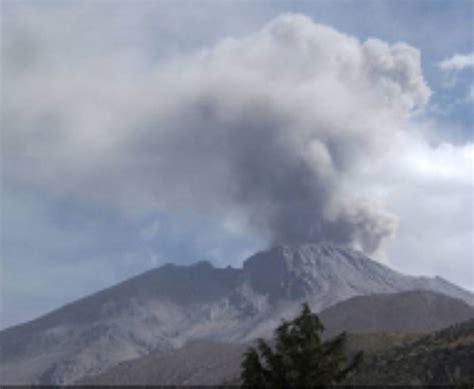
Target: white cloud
457,62
431,190
436,212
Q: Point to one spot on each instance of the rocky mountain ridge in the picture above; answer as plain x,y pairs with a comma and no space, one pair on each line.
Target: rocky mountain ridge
165,308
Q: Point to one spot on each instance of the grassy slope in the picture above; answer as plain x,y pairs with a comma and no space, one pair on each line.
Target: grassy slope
444,357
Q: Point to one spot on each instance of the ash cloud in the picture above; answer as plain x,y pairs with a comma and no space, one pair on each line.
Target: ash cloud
268,126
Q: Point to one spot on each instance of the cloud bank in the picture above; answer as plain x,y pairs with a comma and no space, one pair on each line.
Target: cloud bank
267,127
457,62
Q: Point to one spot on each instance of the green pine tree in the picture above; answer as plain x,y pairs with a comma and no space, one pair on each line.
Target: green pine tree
299,357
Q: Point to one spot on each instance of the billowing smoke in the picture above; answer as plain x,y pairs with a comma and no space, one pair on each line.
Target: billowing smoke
268,127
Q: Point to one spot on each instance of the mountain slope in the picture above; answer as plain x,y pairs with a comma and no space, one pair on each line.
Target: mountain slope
332,274
412,311
367,318
164,308
203,362
441,358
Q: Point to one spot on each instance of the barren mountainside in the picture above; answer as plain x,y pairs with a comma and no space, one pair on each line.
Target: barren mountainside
165,308
409,312
372,330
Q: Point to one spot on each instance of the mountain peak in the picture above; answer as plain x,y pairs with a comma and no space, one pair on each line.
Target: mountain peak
302,258
296,271
165,307
334,272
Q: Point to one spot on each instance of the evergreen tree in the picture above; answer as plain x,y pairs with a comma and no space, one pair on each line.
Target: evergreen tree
299,357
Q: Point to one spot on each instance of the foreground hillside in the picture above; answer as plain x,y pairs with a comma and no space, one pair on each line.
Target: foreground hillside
365,317
212,363
204,362
404,312
442,358
439,358
165,308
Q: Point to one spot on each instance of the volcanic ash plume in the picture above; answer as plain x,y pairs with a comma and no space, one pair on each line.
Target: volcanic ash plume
269,126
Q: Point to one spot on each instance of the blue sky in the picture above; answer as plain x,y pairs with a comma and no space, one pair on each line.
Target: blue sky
74,220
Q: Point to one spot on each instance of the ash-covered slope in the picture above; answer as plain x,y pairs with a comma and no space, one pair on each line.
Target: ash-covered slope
409,312
214,363
204,362
332,274
167,307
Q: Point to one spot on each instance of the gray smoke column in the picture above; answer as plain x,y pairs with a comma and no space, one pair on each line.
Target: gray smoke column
268,126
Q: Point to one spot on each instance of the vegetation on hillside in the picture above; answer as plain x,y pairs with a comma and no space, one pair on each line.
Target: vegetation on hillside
299,357
442,358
